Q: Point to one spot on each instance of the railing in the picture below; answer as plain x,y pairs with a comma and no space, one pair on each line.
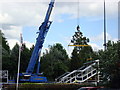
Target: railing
59,78
3,76
80,75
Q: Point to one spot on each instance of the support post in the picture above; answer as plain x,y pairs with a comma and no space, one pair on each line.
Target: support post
104,27
17,84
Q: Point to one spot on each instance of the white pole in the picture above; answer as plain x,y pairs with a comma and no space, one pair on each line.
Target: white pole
18,64
7,76
98,73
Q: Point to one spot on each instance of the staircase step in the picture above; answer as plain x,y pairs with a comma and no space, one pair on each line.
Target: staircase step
80,75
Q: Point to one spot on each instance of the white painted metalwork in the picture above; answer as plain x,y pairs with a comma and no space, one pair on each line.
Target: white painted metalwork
3,76
80,75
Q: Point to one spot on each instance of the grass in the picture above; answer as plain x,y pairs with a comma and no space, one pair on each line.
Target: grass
45,86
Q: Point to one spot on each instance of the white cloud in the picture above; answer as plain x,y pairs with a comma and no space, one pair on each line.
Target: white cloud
12,43
28,44
58,0
95,40
93,6
33,13
18,13
13,32
115,39
100,37
5,18
22,13
95,46
60,20
14,16
69,50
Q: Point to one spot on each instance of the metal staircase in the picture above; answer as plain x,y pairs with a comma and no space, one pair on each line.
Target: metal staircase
80,75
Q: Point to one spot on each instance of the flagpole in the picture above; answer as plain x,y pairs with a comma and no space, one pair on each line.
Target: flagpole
19,63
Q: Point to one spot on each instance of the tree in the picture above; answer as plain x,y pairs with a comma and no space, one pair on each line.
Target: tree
25,57
53,62
5,44
78,38
5,52
14,60
10,57
31,49
80,54
110,64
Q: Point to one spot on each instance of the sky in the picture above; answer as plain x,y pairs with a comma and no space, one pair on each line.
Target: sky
25,16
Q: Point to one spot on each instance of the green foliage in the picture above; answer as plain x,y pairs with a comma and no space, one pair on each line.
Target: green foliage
47,86
80,54
4,42
78,38
14,60
53,62
25,57
110,64
5,51
31,49
76,61
10,57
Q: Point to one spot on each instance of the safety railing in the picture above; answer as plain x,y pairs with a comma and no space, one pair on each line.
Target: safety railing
80,75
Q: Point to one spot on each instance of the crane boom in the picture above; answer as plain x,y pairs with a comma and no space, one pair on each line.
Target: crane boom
43,29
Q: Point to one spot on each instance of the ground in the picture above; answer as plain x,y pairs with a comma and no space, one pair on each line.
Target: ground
44,86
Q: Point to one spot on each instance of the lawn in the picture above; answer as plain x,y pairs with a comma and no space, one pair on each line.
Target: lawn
44,86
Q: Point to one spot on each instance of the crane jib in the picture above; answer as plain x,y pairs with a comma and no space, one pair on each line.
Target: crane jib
43,29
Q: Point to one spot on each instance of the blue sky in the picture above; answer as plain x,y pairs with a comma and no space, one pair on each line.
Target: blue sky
62,32
26,17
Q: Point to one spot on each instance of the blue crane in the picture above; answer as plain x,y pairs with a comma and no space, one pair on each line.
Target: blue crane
43,29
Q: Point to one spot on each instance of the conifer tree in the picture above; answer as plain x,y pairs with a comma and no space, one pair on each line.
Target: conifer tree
80,53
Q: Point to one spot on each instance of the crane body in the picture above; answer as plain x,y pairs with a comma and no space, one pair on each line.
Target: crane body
28,76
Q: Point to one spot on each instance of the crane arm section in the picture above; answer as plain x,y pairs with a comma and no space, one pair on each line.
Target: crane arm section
43,29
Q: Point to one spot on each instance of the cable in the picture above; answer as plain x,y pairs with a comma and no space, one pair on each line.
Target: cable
78,13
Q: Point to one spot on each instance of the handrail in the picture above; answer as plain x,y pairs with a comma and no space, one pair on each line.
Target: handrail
88,72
